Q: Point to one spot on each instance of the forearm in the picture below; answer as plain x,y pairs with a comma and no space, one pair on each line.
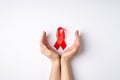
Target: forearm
66,70
55,70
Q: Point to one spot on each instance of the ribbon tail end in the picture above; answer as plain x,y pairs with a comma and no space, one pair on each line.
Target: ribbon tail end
63,45
56,46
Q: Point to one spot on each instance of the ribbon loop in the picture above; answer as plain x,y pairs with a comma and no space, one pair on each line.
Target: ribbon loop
60,34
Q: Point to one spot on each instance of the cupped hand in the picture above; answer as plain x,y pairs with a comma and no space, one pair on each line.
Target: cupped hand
69,53
46,49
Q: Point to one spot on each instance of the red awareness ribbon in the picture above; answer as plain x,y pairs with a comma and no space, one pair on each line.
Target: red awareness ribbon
60,34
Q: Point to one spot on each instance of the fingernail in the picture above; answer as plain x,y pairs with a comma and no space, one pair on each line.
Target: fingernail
44,32
78,32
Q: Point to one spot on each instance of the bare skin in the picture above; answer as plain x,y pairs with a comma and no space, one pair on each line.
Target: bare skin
60,64
53,56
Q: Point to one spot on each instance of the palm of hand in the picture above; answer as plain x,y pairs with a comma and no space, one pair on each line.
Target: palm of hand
46,49
52,54
73,50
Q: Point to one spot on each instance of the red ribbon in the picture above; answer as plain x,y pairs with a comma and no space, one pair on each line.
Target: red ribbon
60,34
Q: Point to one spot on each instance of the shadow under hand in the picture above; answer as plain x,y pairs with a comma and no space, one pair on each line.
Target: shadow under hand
82,43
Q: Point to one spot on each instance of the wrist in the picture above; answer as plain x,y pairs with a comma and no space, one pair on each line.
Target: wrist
55,61
65,61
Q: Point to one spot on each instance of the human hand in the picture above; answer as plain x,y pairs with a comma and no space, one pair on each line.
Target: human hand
47,50
73,50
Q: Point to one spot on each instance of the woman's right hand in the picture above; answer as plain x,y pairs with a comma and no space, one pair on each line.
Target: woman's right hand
73,50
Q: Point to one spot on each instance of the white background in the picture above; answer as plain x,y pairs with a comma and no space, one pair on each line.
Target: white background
21,25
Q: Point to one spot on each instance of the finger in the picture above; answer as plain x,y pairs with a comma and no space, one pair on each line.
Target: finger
76,33
43,41
77,38
43,37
